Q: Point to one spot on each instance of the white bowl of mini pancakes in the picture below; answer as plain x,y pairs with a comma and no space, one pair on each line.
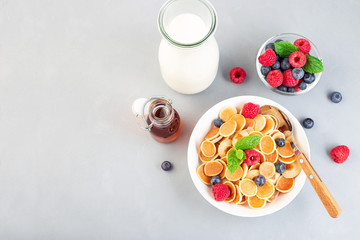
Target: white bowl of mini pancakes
203,126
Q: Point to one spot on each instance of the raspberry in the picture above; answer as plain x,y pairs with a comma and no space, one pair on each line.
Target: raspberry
268,58
275,78
303,45
289,80
220,192
237,75
340,153
252,157
297,59
250,110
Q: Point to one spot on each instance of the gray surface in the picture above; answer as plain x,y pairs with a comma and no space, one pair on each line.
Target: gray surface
74,164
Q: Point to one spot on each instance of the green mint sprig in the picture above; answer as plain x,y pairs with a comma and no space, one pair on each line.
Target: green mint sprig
313,65
285,48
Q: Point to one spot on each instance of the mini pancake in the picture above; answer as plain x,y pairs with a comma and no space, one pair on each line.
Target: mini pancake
207,159
212,134
265,191
267,145
226,113
262,156
224,147
286,151
243,199
255,202
267,169
236,183
274,196
252,174
254,167
213,168
260,122
216,139
269,126
272,157
256,133
224,159
228,128
232,191
249,130
249,123
208,148
287,160
238,197
240,121
285,184
287,134
248,187
245,170
273,132
239,135
201,174
235,175
278,135
222,174
292,170
276,121
274,178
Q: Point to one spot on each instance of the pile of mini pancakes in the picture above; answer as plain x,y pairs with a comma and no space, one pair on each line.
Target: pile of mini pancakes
217,143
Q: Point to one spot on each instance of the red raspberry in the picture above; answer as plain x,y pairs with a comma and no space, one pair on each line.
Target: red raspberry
340,153
237,75
289,80
250,110
297,59
220,192
252,157
303,45
275,78
268,58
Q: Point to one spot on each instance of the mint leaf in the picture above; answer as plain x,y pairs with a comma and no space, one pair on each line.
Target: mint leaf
285,48
313,65
248,142
233,163
240,154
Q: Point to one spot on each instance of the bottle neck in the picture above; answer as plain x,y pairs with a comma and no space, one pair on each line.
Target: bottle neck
161,113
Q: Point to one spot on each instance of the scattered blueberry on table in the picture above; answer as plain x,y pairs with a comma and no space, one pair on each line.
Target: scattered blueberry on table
166,166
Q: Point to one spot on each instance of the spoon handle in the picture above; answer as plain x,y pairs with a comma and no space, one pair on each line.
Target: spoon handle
322,191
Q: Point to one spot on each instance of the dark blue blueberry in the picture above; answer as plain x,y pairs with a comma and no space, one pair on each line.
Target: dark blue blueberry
265,70
279,40
285,65
215,180
291,89
336,97
309,77
308,123
282,88
280,142
260,180
298,73
276,65
270,45
292,144
166,166
280,167
218,122
278,58
302,85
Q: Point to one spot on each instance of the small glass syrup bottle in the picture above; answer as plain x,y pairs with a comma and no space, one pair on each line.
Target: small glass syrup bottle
158,117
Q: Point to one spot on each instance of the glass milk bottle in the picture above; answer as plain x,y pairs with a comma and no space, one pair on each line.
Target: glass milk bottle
188,52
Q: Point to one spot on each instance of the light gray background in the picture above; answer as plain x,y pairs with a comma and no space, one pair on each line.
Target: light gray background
74,164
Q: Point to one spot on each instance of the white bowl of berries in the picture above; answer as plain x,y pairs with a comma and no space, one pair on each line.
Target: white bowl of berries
289,64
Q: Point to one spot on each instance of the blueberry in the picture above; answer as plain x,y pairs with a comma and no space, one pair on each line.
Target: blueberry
265,70
298,73
279,40
336,97
309,77
292,144
285,65
276,65
270,45
280,142
280,167
218,122
278,58
291,89
282,88
215,180
302,85
166,166
260,180
308,123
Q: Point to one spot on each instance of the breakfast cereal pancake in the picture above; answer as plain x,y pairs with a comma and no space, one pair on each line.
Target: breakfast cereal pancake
274,178
243,199
262,156
256,133
260,122
273,157
234,176
207,159
252,174
240,121
249,130
238,197
273,132
224,147
287,160
267,145
254,167
224,158
236,183
213,168
248,187
239,135
249,123
278,135
284,184
274,196
286,151
265,191
228,128
216,140
269,111
222,174
255,202
212,134
269,126
232,191
201,174
245,170
276,121
267,169
208,148
292,170
226,113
